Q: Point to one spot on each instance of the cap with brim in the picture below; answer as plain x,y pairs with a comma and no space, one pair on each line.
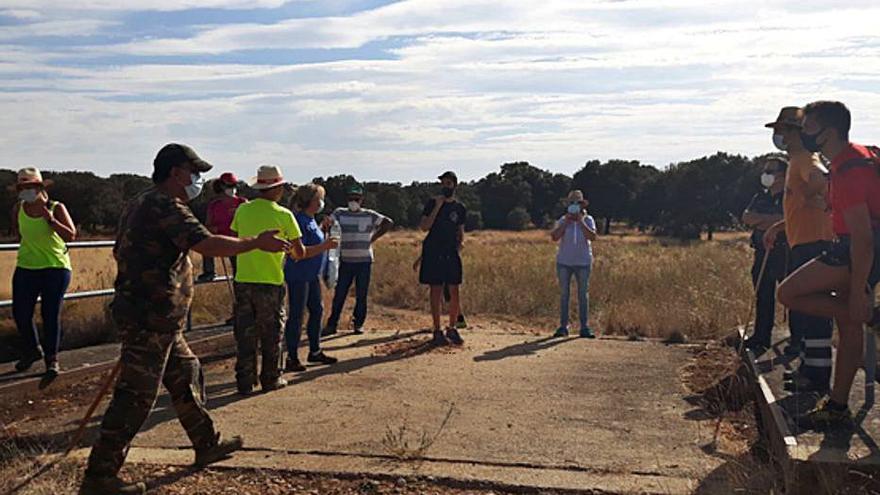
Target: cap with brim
355,190
268,177
788,116
228,179
449,174
175,155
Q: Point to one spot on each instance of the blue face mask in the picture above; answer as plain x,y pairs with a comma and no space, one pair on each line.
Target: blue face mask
574,209
811,142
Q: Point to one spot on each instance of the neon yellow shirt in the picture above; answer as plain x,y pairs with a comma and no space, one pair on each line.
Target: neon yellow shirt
252,219
41,247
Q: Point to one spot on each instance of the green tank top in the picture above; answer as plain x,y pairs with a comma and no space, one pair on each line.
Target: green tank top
41,247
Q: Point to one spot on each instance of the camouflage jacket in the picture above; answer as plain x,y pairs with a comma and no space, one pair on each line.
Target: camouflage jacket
154,283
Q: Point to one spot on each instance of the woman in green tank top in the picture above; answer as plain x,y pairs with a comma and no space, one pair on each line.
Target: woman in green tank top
42,269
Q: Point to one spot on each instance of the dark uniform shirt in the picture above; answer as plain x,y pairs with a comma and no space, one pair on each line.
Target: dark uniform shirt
443,236
154,283
766,203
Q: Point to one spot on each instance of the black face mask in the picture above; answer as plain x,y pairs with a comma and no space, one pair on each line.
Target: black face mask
811,142
447,192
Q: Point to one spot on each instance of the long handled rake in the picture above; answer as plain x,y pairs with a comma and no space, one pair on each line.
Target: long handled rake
74,441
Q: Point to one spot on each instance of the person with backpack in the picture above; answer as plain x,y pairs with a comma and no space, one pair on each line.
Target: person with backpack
807,228
443,219
42,269
768,265
839,284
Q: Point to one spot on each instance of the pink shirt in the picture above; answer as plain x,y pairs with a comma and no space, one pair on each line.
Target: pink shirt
220,214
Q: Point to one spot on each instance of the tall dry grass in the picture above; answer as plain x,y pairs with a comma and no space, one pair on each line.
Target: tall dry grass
640,285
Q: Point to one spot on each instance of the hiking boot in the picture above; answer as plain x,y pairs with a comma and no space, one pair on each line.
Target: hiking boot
294,366
26,362
439,339
278,384
461,323
561,332
826,415
328,331
53,369
586,333
110,485
453,336
358,330
223,449
322,358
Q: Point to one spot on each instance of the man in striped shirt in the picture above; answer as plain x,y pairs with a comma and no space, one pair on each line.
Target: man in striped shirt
361,227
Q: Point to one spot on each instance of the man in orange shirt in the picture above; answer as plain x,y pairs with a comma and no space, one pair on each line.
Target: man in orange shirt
807,226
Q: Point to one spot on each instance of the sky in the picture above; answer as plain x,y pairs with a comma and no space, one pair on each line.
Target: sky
401,90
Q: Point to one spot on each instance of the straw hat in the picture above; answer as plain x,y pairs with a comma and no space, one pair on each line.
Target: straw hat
30,176
268,176
788,116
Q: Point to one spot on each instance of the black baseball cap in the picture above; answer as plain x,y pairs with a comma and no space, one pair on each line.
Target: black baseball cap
449,174
174,155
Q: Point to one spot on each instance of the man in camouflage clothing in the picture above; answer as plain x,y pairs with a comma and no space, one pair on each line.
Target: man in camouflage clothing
154,288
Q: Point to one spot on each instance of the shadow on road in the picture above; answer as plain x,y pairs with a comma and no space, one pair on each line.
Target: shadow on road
524,349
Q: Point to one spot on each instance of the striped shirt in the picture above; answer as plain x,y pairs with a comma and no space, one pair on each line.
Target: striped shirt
357,232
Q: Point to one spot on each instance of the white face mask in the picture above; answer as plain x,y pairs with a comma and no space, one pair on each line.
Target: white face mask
767,180
354,205
229,192
28,195
195,188
779,142
321,205
574,209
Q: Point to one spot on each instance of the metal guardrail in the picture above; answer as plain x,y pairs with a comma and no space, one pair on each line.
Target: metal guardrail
89,294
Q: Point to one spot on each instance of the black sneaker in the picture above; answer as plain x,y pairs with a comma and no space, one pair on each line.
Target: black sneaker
26,362
826,416
110,485
439,339
358,330
278,384
223,449
328,331
205,277
756,346
52,372
801,384
294,366
245,390
453,336
322,358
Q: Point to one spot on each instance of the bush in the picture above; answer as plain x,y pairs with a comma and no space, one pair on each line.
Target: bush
518,219
473,221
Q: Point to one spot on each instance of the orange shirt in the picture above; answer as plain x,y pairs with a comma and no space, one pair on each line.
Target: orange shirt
806,216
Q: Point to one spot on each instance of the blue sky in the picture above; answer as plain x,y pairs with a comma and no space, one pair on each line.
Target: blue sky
399,90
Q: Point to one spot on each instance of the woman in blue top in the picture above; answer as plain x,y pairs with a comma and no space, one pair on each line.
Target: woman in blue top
574,233
303,279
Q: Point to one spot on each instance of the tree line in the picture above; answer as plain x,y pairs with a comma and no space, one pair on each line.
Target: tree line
682,200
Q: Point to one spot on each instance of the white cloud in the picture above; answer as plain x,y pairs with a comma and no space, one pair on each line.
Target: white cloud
140,5
474,84
23,14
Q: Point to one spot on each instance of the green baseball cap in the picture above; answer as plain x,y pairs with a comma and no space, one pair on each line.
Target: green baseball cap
356,189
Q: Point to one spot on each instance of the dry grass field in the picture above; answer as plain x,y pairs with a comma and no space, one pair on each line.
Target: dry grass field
641,286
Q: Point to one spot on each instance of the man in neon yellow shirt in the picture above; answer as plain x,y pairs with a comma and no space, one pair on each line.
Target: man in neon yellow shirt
259,284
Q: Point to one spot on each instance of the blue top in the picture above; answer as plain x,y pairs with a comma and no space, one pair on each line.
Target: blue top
574,248
309,269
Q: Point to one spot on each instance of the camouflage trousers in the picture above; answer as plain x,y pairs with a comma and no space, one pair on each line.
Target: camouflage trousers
259,323
149,359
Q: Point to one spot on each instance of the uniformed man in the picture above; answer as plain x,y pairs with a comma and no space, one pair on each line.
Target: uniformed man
154,288
764,211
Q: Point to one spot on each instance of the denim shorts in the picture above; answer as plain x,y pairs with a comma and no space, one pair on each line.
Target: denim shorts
838,254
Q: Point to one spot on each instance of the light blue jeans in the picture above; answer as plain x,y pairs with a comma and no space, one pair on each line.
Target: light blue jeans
582,275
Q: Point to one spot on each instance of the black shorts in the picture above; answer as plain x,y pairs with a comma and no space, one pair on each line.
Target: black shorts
839,255
441,268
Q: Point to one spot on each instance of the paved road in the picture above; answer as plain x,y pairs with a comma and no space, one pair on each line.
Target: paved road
522,410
